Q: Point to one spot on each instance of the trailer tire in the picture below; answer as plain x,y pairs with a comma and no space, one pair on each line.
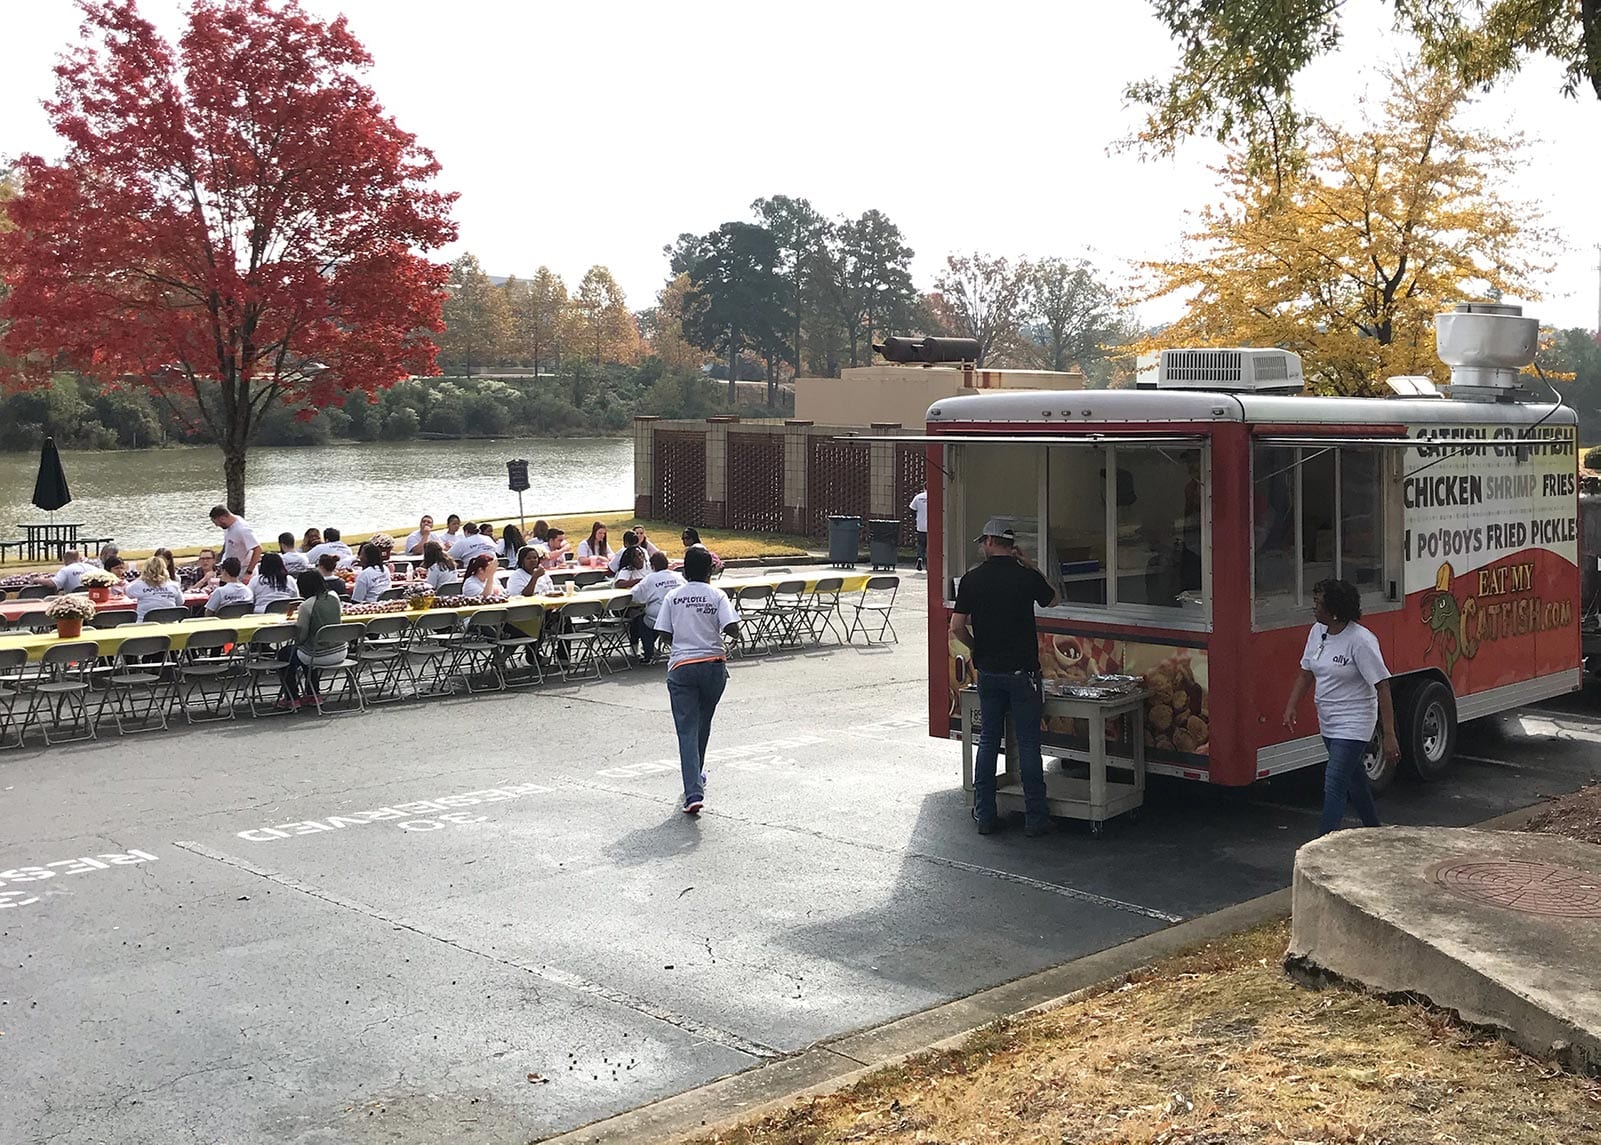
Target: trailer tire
1380,771
1428,728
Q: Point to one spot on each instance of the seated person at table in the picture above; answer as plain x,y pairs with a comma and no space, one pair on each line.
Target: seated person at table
70,575
437,567
650,592
594,550
452,532
311,540
294,563
644,541
106,553
541,530
155,588
472,544
332,544
118,568
631,567
202,575
630,539
319,609
528,579
230,588
272,582
556,550
373,579
424,533
512,544
328,569
691,538
480,578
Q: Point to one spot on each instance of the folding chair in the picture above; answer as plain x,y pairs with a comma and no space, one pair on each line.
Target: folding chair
392,593
475,652
613,628
139,686
590,577
233,610
166,615
62,685
262,665
428,652
208,666
576,636
823,608
329,639
281,607
381,655
449,588
12,677
36,622
116,619
752,603
35,591
523,631
787,608
877,598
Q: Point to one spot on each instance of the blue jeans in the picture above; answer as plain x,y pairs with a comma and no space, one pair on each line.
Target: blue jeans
693,691
1344,779
1018,693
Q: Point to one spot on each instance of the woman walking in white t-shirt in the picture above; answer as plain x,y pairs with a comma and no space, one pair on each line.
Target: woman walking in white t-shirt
697,617
1344,668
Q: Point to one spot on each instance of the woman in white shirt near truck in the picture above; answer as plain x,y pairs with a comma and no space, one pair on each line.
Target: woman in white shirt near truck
1345,671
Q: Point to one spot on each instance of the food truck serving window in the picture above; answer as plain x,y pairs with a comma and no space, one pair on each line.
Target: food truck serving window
1319,512
1117,529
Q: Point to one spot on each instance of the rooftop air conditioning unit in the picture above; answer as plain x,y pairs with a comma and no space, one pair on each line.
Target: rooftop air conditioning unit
1247,370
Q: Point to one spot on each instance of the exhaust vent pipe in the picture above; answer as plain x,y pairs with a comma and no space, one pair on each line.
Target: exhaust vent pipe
1486,344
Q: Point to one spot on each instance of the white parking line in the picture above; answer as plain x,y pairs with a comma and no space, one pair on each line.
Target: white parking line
1486,759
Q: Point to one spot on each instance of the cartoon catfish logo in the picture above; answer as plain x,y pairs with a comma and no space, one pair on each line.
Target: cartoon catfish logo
1444,616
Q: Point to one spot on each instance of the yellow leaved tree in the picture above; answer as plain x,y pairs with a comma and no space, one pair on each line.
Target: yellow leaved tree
1347,260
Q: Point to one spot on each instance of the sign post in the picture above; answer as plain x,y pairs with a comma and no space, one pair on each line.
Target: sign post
517,481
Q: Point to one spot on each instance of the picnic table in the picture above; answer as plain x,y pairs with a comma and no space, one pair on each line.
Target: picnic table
45,539
108,640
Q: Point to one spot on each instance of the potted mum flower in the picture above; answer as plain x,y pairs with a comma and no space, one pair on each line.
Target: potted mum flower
98,584
420,596
69,613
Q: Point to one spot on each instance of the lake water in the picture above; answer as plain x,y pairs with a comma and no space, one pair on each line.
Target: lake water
148,498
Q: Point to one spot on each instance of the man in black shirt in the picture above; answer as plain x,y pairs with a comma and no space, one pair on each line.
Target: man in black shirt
994,616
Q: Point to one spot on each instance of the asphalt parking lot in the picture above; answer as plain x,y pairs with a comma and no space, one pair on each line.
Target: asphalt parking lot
484,920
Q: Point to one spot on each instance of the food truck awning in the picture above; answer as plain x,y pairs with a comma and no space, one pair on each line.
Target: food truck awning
1029,438
1312,442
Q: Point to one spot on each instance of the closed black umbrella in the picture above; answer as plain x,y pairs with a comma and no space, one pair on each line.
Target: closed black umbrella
50,491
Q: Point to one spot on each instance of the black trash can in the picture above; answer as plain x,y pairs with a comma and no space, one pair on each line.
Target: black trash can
883,541
844,541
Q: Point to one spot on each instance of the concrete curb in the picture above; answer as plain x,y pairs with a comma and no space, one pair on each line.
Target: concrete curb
839,1062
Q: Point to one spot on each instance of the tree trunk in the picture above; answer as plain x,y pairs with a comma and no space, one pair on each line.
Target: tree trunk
233,473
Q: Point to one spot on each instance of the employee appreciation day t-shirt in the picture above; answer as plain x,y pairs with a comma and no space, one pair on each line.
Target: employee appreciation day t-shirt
694,615
1346,666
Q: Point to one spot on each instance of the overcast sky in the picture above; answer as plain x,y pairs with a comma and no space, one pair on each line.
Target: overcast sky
581,133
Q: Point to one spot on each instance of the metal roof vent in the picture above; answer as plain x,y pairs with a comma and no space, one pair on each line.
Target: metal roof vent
1247,370
1486,344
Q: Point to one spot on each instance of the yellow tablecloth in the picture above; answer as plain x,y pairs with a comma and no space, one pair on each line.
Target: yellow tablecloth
107,641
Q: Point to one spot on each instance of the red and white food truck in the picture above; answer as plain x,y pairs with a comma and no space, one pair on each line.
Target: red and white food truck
1184,527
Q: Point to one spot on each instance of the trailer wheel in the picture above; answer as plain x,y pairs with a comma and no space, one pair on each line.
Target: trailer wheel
1428,729
1380,771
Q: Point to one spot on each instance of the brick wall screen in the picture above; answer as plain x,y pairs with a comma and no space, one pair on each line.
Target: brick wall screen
755,482
680,473
910,469
837,482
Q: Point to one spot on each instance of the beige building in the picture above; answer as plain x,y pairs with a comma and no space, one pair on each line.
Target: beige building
878,395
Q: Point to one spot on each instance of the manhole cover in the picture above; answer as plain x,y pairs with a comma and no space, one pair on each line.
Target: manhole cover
1534,888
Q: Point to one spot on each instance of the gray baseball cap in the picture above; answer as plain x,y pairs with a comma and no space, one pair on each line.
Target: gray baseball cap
1000,528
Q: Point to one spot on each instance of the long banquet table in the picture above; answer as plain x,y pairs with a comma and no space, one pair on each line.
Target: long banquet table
15,610
108,640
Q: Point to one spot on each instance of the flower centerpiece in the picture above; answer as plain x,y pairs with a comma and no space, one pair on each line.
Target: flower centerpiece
69,613
99,583
420,596
382,541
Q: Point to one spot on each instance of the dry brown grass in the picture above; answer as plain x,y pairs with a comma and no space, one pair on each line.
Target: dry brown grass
1217,1047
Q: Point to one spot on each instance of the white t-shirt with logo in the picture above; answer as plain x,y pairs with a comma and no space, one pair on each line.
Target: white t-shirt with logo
919,506
69,577
294,562
519,579
371,582
654,589
238,540
228,592
467,548
694,615
1346,666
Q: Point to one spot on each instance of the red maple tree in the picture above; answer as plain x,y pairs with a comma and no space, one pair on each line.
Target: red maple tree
234,223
